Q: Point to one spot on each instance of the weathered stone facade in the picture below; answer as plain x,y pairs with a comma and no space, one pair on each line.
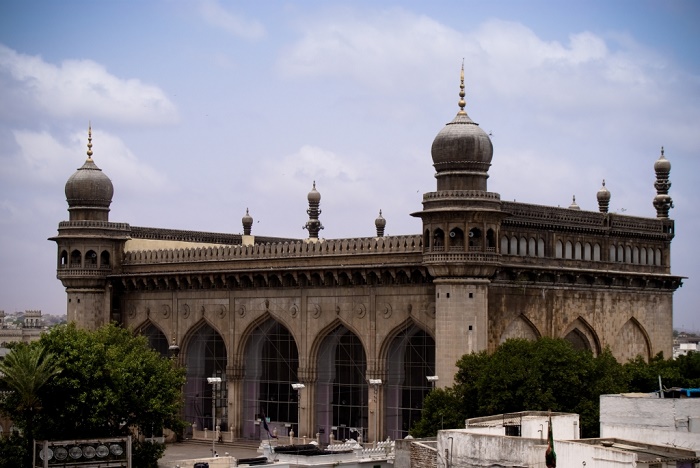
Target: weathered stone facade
361,322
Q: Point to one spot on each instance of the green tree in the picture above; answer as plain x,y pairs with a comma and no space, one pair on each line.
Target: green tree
25,371
441,409
547,374
111,384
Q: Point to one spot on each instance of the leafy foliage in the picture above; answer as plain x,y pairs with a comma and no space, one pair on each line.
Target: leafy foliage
14,451
111,383
547,374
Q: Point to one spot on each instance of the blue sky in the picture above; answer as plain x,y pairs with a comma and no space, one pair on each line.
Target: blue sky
203,109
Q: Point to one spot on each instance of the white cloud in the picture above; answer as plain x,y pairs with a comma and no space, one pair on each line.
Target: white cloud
216,15
79,88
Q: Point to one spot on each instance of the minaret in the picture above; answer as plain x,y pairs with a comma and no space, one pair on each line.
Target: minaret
662,201
603,197
380,224
313,225
247,238
461,222
89,246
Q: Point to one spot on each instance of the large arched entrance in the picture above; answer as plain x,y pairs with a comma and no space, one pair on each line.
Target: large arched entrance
271,363
205,402
156,339
341,389
411,359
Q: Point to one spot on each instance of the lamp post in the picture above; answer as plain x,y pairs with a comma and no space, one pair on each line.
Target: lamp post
376,383
298,387
432,379
214,381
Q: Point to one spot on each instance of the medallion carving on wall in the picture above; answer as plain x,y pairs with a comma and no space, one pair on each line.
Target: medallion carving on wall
185,311
316,311
165,311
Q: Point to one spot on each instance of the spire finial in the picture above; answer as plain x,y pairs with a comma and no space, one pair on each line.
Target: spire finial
603,182
89,145
462,103
662,151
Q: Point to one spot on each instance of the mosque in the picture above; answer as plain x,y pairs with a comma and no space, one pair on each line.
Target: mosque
345,337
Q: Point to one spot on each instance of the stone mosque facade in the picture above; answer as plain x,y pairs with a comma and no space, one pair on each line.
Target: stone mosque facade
363,322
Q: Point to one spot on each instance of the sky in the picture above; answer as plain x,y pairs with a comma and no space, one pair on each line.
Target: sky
203,109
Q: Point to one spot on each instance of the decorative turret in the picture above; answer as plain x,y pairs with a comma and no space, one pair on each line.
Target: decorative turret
380,224
313,225
574,205
603,196
662,201
89,191
247,223
462,152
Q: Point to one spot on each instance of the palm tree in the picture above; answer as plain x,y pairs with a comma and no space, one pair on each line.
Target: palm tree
25,370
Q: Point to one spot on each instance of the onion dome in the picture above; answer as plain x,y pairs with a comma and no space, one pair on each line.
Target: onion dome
314,196
247,223
313,225
380,224
89,191
573,205
603,197
662,165
462,152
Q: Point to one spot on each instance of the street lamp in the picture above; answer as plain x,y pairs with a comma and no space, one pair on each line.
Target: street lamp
432,379
298,387
214,381
376,383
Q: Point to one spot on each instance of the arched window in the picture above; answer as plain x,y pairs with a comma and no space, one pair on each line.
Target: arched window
650,256
587,251
628,254
272,361
63,259
156,339
620,253
657,257
532,247
90,259
577,251
568,250
75,259
522,247
206,357
475,239
559,249
513,249
596,252
613,253
540,247
104,259
410,360
490,240
457,240
438,240
643,256
341,387
426,240
635,255
504,245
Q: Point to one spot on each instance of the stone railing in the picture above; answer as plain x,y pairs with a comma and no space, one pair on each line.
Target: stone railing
335,247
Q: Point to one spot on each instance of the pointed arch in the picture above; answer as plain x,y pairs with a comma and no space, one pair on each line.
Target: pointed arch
271,357
581,335
341,386
637,341
205,355
155,336
408,354
520,327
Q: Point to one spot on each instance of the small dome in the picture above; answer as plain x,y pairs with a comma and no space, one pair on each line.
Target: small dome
247,221
380,222
662,165
89,187
314,196
603,194
573,205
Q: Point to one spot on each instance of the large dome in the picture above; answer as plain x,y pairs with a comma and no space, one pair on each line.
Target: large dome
462,152
89,189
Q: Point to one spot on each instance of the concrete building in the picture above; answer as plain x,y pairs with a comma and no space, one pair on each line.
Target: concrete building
362,322
648,418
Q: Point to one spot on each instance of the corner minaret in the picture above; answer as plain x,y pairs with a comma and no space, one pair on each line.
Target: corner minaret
89,246
603,197
662,201
461,222
247,220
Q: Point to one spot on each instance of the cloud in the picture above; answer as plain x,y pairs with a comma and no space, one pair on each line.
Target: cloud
216,15
78,88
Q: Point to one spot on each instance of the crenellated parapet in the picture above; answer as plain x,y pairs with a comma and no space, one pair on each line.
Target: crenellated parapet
297,249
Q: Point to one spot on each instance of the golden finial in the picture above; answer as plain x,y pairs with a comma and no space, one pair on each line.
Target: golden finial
89,151
462,103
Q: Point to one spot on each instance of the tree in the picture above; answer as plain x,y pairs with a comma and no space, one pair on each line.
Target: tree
547,374
111,384
25,371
